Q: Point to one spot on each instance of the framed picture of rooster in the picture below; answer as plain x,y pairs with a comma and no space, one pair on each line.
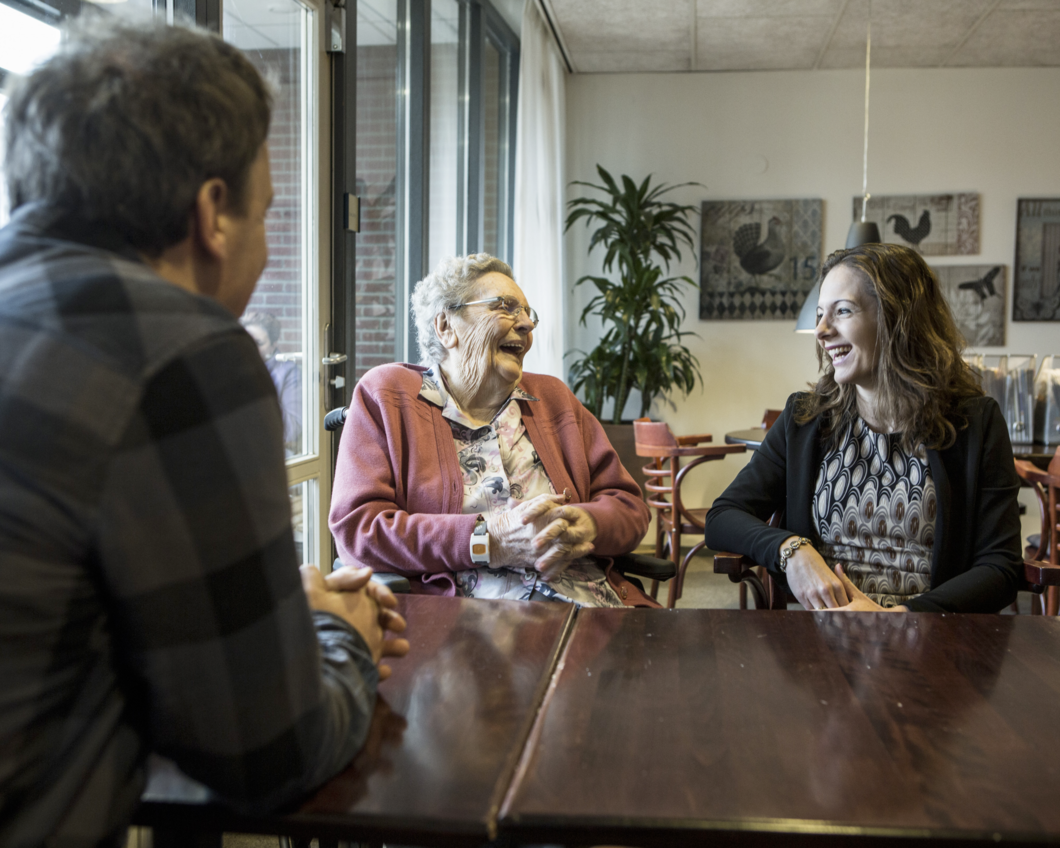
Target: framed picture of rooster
976,294
759,258
933,224
1036,277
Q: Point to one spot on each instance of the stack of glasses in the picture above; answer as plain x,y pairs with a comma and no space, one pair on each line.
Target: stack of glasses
1009,379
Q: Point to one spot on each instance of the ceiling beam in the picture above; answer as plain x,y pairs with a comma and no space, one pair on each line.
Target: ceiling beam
969,34
831,34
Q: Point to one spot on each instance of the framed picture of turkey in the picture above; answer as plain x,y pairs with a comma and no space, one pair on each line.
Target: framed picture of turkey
759,258
1036,278
932,224
976,295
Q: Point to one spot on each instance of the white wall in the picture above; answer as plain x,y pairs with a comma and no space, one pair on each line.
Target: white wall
799,134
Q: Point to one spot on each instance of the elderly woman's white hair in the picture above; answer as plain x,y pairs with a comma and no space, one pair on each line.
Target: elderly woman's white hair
452,282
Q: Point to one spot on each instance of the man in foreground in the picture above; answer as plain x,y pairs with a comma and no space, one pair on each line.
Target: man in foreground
150,597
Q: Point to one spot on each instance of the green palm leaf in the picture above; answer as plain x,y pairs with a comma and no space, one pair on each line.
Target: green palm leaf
642,312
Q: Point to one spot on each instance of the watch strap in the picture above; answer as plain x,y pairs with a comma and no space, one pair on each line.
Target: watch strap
480,543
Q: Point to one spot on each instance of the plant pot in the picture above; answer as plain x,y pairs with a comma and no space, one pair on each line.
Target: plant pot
625,444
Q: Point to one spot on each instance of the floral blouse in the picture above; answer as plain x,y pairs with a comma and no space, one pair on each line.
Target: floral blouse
500,469
875,508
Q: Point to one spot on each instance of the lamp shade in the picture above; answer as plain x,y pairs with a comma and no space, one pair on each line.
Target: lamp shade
807,322
863,232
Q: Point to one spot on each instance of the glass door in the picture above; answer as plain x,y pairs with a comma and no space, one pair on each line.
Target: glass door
25,42
287,314
376,144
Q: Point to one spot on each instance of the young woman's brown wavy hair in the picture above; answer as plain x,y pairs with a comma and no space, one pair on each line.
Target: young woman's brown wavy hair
920,376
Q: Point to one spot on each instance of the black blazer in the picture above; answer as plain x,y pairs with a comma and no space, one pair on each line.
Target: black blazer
976,560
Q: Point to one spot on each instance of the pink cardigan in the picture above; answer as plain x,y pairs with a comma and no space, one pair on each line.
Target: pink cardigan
398,492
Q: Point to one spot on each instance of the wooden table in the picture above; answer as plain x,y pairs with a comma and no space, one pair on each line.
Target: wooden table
752,437
707,727
1039,455
448,730
691,727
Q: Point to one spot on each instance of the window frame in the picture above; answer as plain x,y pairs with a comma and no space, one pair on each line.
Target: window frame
315,465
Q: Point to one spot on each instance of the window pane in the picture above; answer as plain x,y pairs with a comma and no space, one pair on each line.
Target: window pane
376,143
25,42
274,35
4,212
445,35
130,10
305,521
492,126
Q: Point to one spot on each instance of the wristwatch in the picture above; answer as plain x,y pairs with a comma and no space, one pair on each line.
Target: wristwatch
480,543
788,551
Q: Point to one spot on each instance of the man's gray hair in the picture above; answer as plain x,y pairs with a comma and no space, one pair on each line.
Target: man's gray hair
452,282
122,126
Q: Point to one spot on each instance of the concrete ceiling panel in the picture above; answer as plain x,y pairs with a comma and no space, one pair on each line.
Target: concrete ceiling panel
632,63
900,23
1012,39
885,57
603,26
759,43
767,8
607,36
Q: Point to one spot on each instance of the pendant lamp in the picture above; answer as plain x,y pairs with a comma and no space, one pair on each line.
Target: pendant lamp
861,232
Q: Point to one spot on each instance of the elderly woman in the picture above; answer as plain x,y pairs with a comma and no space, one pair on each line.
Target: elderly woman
473,478
893,477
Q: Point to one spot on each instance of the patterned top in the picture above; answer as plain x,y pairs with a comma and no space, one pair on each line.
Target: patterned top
875,509
501,469
151,597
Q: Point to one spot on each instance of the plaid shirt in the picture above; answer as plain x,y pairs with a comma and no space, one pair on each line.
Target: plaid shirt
149,592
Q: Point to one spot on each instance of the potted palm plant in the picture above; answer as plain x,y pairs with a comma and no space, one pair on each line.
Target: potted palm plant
642,312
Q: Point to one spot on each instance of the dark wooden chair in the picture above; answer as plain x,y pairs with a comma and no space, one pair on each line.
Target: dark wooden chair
770,418
673,518
1046,488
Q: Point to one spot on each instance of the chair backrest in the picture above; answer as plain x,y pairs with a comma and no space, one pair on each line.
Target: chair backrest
1054,464
1037,480
651,435
655,440
770,418
1041,570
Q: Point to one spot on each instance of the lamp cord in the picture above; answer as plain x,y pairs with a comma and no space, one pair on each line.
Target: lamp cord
865,164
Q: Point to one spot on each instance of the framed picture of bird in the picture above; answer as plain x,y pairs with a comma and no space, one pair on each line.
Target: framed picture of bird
759,258
976,294
933,224
1036,278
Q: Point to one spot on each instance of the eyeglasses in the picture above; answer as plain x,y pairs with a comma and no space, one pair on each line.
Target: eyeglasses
507,304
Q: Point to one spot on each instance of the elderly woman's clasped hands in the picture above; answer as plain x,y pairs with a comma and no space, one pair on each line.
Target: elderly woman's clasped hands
544,533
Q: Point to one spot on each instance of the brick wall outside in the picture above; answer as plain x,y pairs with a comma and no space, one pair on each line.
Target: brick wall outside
377,240
491,86
279,290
